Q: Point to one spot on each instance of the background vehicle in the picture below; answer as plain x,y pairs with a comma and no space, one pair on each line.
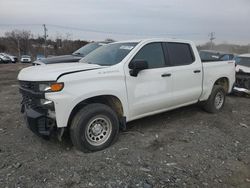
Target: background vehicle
25,59
118,83
74,57
39,57
210,55
4,58
13,59
242,83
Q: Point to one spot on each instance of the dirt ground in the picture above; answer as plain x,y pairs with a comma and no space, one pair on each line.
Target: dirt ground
182,148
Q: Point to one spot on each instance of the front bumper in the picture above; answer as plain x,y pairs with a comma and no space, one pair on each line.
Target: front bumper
242,84
38,122
25,61
243,90
40,119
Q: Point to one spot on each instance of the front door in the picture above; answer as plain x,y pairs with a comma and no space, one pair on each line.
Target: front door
151,90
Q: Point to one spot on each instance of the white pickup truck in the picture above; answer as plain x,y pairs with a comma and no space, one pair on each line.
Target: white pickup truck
118,83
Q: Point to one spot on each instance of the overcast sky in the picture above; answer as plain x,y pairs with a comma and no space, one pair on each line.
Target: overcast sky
130,19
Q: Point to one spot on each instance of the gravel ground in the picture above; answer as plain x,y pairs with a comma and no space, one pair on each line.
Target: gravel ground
186,147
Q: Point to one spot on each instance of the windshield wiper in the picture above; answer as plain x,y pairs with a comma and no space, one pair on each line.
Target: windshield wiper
76,53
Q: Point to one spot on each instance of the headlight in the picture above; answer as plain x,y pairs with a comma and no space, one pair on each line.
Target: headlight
47,104
44,87
51,87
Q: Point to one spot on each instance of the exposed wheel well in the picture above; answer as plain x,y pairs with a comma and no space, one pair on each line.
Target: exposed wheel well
109,100
224,82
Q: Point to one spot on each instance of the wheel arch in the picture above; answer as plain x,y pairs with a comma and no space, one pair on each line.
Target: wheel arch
109,100
224,82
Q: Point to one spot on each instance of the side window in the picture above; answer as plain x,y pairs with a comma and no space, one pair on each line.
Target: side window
180,54
153,54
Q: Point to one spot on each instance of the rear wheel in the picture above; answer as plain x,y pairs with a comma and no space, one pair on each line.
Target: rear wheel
216,100
94,128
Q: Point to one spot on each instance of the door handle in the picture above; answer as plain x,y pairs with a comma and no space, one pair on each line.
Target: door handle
166,75
197,71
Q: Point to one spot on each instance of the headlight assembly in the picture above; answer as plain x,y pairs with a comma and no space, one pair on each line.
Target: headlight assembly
44,87
47,104
51,87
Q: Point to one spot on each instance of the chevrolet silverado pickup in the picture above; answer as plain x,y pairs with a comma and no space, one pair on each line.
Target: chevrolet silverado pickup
118,83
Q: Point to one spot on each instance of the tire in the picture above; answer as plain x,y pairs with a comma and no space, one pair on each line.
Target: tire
216,100
94,128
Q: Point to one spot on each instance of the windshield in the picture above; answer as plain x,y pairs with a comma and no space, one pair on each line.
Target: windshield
25,56
244,61
209,56
110,54
227,57
87,49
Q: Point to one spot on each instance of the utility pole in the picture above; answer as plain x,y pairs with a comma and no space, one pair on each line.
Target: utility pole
45,38
211,38
18,48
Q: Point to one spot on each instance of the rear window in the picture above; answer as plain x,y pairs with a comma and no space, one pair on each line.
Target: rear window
180,54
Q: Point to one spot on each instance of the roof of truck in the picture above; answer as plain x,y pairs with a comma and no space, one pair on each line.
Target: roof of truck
156,40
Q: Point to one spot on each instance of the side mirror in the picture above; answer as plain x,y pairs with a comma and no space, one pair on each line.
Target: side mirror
136,66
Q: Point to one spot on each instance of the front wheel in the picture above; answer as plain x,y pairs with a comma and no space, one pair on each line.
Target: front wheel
216,100
94,128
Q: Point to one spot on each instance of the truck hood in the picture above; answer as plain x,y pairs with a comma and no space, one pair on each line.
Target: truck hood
52,72
240,68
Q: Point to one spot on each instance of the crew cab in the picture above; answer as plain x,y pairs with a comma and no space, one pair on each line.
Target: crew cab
118,83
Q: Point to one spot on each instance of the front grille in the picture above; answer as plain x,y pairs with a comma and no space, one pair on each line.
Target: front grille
30,94
33,86
242,80
29,101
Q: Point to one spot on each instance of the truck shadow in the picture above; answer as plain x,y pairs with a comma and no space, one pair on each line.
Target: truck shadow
154,123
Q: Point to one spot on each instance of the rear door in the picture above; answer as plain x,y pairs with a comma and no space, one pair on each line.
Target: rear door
186,73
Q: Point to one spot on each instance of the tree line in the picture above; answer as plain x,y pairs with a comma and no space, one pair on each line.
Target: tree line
23,42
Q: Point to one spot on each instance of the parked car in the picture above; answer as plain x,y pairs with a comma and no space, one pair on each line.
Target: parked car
39,57
4,59
13,59
210,55
242,83
118,83
25,59
74,57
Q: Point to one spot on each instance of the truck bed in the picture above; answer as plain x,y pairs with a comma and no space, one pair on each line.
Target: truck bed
217,69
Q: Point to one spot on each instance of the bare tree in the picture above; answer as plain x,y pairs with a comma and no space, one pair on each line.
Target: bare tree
20,40
109,40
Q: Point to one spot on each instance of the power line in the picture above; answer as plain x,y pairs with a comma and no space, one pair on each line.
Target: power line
120,33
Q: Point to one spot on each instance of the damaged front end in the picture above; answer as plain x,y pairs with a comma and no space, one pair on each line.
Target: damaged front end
39,113
242,83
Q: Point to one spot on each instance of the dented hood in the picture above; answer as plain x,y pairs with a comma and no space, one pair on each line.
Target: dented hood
52,72
240,68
